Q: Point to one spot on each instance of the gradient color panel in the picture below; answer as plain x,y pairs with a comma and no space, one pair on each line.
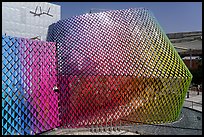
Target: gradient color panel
117,65
29,104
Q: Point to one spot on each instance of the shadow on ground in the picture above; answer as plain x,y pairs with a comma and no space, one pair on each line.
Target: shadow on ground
189,123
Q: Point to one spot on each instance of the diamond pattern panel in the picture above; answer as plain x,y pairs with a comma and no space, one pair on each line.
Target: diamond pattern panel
117,65
29,104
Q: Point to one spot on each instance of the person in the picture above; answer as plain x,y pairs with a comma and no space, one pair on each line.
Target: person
198,89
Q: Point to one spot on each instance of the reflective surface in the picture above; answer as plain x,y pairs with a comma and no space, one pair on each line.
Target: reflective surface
29,105
117,65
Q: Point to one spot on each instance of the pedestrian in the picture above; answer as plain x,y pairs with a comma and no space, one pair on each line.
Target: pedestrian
198,89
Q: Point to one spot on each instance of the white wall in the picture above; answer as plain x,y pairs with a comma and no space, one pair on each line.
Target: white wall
17,20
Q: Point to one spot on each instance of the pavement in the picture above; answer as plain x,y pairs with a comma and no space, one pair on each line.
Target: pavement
84,131
189,123
194,101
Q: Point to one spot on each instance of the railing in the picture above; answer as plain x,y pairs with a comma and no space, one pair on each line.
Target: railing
192,104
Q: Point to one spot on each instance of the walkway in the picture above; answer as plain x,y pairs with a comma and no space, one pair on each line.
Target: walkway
194,101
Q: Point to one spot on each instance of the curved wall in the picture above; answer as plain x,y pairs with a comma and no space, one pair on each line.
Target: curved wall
117,65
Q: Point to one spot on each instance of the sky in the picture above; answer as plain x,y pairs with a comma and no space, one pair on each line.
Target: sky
172,16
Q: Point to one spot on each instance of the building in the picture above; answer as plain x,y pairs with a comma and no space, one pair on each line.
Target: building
107,69
29,19
117,65
189,47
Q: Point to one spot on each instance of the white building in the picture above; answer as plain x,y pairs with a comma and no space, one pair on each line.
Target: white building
29,19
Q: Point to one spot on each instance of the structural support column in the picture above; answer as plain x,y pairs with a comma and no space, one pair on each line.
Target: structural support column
190,58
